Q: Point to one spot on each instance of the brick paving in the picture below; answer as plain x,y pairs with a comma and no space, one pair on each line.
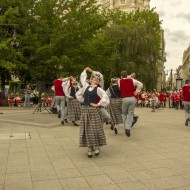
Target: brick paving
38,153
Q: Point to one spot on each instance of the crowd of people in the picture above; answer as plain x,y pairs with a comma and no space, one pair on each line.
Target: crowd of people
29,98
172,99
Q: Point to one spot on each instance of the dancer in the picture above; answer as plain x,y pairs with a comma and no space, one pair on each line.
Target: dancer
91,125
135,117
73,106
83,79
128,88
114,108
60,98
186,100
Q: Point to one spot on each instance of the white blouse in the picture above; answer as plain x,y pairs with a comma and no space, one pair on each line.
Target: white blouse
104,101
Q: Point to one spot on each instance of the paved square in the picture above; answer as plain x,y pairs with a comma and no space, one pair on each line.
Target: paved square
38,153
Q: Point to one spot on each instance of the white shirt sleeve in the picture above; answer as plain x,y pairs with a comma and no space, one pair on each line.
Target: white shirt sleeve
79,94
108,92
65,79
138,85
53,88
101,78
83,78
104,97
66,86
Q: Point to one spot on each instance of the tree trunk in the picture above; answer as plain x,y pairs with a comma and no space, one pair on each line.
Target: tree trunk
3,85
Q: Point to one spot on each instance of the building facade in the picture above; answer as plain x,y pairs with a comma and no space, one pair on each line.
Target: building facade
184,69
178,77
125,5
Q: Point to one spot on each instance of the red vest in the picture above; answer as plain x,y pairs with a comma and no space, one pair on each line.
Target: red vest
127,88
58,88
186,93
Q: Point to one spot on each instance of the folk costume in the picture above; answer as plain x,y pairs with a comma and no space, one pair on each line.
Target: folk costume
73,106
114,108
83,79
186,101
91,125
60,99
128,88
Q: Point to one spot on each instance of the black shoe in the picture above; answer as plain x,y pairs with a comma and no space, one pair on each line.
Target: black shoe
97,152
115,130
75,124
186,122
89,154
112,127
66,121
135,119
59,115
62,122
127,132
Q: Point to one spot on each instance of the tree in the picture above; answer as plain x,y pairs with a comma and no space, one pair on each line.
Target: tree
135,38
12,21
66,36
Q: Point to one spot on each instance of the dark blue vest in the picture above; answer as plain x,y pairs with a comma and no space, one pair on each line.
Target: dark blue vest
115,92
90,96
73,91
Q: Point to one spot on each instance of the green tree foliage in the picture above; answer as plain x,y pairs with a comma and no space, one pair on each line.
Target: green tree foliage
135,39
66,36
12,22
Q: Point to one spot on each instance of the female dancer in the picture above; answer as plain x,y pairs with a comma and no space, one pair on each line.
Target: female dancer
114,108
91,125
73,106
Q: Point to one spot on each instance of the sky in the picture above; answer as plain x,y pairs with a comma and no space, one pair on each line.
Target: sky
175,16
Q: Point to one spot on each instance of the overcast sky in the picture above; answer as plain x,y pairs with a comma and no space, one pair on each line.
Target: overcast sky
176,24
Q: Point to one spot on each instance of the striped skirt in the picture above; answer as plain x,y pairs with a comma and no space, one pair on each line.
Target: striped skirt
73,110
91,127
115,110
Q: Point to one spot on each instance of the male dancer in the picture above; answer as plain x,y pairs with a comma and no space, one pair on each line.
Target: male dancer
60,98
186,100
128,88
135,117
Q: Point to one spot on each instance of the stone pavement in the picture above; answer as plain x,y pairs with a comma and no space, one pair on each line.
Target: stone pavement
38,153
